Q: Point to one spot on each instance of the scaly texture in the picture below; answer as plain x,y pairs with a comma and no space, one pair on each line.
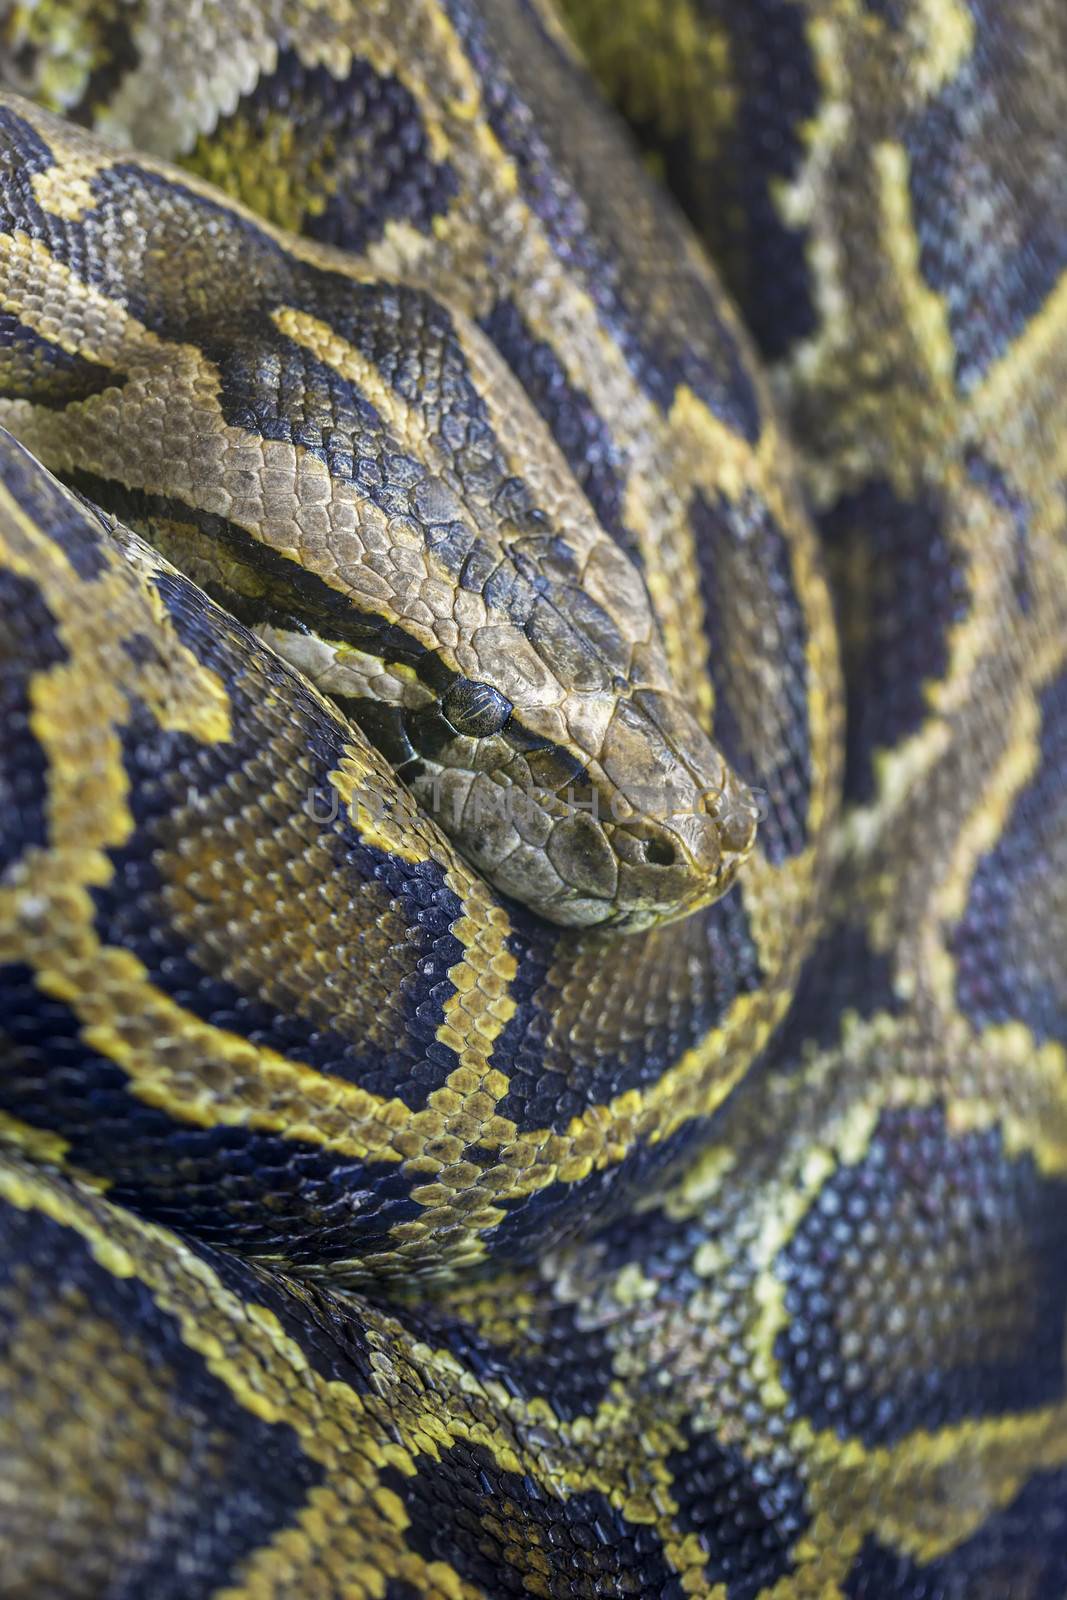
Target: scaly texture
740,1239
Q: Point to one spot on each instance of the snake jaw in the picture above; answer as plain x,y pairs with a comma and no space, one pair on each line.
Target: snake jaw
663,830
698,852
693,823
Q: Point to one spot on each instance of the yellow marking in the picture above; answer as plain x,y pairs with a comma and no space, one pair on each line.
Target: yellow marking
60,77
38,1144
29,1191
978,834
92,325
934,1490
552,22
604,1134
926,310
48,919
1042,344
797,201
479,1009
701,1182
717,461
65,191
908,1466
723,461
130,1249
695,1086
1026,1099
984,542
943,37
663,62
560,313
327,346
73,151
383,811
245,1346
261,162
88,627
844,1141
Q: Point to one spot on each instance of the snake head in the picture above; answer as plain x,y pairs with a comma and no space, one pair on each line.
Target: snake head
648,829
561,760
552,746
638,820
670,823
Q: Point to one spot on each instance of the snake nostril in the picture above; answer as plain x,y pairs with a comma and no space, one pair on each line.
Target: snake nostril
658,853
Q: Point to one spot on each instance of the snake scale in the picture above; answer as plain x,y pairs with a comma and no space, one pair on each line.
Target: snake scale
533,803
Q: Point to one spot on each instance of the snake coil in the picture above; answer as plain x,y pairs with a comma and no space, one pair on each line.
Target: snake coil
533,802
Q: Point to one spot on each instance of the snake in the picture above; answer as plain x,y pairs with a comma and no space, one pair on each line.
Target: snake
533,799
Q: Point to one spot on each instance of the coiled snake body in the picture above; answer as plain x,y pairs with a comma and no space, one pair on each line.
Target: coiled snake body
450,1147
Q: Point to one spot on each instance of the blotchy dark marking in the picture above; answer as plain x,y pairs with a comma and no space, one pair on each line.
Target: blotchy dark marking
384,725
259,1194
632,259
1017,510
141,648
566,1365
951,1254
888,11
74,527
29,643
663,1244
131,913
732,198
34,368
1020,1551
165,768
1009,962
328,1331
741,550
232,1481
600,1201
466,1511
900,587
779,91
574,422
553,1213
23,155
114,54
988,172
550,1083
747,1513
843,973
357,152
723,175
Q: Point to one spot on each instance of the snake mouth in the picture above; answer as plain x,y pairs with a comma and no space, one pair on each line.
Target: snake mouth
653,866
684,822
674,866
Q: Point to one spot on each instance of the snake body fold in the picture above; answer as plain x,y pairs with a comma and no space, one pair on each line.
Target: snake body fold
420,1176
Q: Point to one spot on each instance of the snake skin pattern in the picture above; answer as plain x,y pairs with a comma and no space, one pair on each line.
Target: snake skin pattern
365,1233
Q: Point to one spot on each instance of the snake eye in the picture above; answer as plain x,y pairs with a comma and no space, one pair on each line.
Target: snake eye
475,709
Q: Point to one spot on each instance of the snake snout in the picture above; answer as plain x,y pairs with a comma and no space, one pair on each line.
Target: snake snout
683,822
